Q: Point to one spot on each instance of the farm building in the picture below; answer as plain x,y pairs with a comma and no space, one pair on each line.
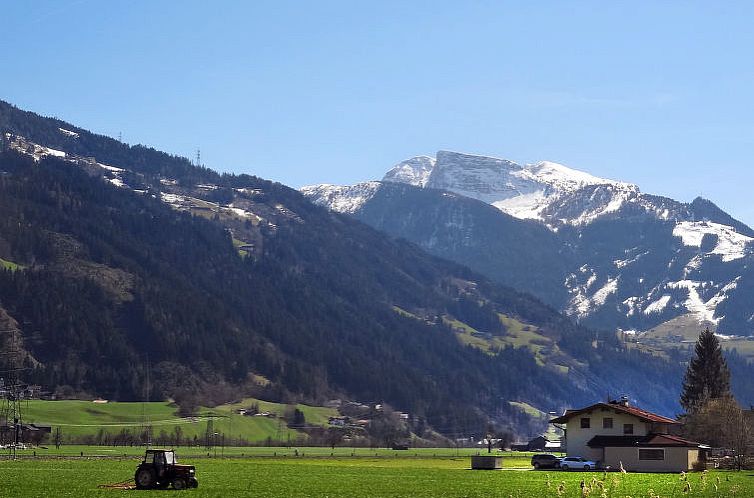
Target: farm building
27,432
614,434
539,443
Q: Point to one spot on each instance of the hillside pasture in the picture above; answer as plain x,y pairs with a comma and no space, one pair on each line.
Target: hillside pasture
85,418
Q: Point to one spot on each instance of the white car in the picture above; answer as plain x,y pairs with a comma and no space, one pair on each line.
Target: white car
577,463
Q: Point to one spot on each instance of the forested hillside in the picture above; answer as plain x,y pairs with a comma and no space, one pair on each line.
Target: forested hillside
104,279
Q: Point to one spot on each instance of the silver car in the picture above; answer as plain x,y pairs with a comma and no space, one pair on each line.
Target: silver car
577,463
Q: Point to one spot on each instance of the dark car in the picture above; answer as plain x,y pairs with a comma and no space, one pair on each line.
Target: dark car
545,461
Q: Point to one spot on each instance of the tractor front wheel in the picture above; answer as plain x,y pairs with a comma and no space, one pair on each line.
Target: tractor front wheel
179,483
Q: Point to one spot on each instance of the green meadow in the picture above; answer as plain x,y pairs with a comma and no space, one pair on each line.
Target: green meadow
348,477
79,418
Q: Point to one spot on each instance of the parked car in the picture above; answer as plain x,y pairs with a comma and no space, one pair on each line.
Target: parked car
577,463
545,461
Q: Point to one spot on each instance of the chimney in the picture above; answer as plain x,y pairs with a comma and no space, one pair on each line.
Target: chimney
623,400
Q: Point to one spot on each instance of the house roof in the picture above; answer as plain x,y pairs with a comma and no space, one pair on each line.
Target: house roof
650,440
643,415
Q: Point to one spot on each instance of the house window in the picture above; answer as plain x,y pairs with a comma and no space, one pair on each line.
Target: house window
607,423
651,454
628,428
585,423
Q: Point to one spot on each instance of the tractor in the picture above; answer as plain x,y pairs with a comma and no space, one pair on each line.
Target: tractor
159,470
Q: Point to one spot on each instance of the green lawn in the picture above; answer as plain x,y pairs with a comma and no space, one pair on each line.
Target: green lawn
344,477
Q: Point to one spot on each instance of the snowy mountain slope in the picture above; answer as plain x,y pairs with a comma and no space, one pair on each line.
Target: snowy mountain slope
623,259
340,198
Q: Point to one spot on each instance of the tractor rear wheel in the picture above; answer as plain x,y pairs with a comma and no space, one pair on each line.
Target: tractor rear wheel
145,478
179,483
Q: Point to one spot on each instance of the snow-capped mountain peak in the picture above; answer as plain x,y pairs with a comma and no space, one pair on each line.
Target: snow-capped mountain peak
523,191
650,264
414,171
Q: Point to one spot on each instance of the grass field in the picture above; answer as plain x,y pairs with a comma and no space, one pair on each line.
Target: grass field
511,459
77,418
341,477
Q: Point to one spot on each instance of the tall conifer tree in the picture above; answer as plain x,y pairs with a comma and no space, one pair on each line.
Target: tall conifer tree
707,376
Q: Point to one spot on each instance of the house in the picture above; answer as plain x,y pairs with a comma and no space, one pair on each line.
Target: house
537,444
615,433
338,421
26,432
554,446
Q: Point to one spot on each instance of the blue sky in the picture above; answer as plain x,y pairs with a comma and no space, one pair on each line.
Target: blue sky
656,93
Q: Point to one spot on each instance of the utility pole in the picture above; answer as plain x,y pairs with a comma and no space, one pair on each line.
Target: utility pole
12,393
146,424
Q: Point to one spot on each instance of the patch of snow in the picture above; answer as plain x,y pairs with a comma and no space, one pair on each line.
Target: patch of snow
110,168
599,297
563,177
243,213
658,306
207,187
248,191
168,181
622,263
347,199
117,182
581,304
591,281
632,303
704,311
172,198
47,151
731,245
727,337
69,133
525,206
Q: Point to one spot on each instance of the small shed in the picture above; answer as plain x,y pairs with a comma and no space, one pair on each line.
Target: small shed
486,462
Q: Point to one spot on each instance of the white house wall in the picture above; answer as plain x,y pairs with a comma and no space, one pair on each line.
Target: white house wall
576,437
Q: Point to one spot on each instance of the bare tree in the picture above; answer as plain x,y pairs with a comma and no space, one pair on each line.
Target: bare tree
722,423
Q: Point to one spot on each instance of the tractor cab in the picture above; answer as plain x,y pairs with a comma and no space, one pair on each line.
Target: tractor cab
160,469
159,457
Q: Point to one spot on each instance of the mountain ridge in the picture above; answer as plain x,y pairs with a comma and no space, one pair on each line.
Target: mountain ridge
628,261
